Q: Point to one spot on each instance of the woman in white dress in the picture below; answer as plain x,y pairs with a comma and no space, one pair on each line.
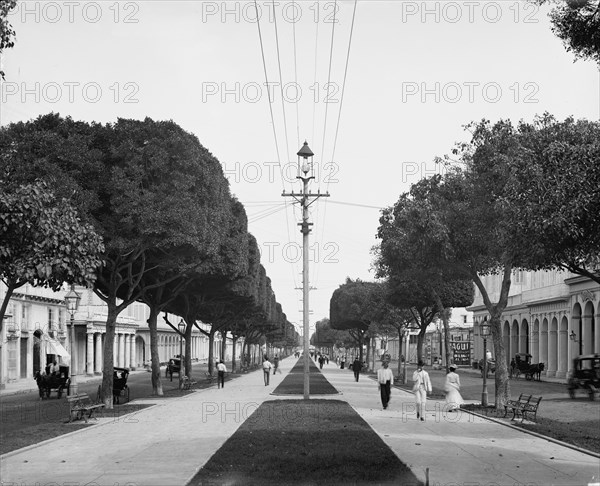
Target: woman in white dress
453,398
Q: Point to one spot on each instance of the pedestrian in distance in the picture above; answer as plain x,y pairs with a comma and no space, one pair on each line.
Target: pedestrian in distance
422,385
452,388
385,380
276,365
221,370
342,362
356,367
267,370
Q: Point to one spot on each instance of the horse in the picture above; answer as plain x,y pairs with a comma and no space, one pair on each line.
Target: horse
536,370
43,383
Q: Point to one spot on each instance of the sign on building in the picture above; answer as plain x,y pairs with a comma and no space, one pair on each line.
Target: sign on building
462,352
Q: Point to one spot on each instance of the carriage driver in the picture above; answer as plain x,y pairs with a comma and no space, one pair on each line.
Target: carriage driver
53,369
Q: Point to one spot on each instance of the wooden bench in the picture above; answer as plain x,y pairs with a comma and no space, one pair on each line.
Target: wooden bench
187,383
82,407
526,406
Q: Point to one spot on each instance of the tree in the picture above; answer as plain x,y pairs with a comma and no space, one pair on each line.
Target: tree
353,307
42,241
554,194
469,231
7,33
577,24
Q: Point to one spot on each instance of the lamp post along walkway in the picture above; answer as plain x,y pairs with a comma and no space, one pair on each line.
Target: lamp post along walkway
305,198
72,299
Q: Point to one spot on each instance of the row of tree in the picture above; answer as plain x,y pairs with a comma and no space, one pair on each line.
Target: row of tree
142,212
524,197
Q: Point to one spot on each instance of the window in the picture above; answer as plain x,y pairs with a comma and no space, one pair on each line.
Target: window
60,319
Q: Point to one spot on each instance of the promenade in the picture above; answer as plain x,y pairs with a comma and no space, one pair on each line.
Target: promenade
168,442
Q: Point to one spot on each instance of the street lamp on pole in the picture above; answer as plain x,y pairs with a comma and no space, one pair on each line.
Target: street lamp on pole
485,332
181,327
305,198
72,299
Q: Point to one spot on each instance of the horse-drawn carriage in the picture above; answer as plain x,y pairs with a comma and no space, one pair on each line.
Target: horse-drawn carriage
173,366
49,382
585,375
521,364
120,388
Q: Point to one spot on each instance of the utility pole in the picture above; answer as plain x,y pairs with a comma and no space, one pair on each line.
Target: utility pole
305,198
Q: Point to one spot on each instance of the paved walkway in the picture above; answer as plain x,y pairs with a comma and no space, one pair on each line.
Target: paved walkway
147,448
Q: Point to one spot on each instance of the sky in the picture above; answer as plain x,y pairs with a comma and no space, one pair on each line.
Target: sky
378,89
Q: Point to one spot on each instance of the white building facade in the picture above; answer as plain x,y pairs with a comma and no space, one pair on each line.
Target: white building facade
37,329
553,316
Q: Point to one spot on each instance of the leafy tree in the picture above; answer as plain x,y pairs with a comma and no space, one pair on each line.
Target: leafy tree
353,307
42,241
470,230
554,194
577,24
7,33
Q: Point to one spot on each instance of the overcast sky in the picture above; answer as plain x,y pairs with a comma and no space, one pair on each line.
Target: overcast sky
416,73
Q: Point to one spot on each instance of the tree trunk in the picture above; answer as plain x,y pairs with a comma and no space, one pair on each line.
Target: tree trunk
400,353
106,392
223,345
211,354
420,339
502,382
234,339
9,291
153,326
188,350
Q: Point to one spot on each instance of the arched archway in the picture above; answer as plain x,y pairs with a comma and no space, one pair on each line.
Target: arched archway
524,337
140,351
544,342
37,351
535,342
563,348
506,340
552,347
576,327
588,335
514,338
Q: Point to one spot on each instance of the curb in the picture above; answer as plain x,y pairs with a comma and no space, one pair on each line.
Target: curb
535,434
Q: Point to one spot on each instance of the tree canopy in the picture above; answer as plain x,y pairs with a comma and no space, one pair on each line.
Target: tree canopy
577,24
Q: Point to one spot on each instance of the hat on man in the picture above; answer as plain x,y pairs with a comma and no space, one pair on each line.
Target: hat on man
452,367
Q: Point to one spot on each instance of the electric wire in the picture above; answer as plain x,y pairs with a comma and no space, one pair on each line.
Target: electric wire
271,112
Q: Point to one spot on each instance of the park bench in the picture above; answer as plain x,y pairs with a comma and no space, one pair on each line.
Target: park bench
526,406
187,383
81,406
209,377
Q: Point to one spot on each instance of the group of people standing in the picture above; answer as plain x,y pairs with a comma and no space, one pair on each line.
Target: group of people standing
421,387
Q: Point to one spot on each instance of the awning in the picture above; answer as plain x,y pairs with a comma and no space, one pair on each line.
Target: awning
54,347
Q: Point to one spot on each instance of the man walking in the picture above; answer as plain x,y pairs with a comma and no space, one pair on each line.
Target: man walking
267,370
221,370
421,386
356,367
385,380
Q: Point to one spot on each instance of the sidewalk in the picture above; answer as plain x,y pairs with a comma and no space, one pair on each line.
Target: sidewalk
459,448
166,444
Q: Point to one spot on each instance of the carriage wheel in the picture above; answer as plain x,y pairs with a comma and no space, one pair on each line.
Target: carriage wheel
529,376
98,393
572,392
126,391
59,392
591,393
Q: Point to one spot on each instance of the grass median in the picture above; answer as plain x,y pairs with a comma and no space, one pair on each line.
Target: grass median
304,442
296,441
